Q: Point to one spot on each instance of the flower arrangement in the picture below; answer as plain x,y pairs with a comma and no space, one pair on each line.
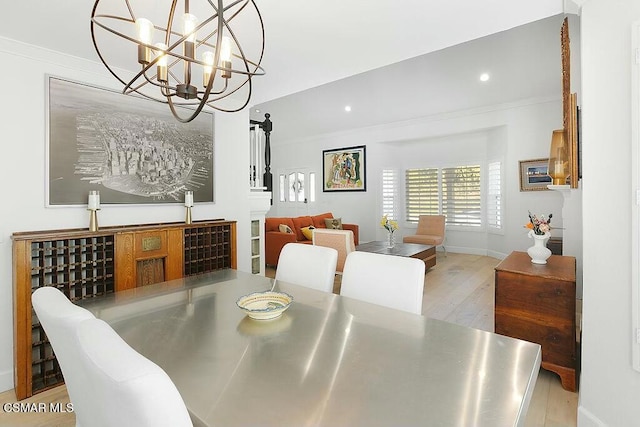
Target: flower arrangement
539,224
389,225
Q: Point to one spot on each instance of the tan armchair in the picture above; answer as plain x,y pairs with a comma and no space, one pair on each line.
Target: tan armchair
340,240
431,231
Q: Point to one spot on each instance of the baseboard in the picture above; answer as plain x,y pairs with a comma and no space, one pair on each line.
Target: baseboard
6,380
498,255
587,419
473,251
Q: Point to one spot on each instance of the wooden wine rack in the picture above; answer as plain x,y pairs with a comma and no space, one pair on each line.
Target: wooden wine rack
85,264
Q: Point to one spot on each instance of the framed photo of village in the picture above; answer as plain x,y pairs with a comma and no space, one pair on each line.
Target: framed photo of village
344,169
131,149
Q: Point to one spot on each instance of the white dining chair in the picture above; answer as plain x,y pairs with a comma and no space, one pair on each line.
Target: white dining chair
59,318
126,389
388,280
340,240
307,265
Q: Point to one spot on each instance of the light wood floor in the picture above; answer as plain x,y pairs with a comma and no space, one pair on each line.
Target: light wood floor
459,289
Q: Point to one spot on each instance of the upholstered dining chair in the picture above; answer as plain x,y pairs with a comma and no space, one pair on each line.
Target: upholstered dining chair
59,317
109,384
307,265
340,240
388,280
430,231
126,389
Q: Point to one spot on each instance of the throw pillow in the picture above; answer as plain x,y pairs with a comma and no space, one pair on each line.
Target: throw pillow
284,228
333,223
308,232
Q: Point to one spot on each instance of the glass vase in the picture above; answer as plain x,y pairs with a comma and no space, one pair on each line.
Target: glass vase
391,240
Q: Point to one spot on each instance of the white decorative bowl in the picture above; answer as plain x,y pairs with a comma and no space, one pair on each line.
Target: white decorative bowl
264,305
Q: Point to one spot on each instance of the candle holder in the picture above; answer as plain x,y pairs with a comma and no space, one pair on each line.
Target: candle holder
93,219
93,207
188,204
558,168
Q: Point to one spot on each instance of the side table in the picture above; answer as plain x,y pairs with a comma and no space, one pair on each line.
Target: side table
537,303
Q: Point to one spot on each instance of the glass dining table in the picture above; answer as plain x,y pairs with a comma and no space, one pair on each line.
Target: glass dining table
327,361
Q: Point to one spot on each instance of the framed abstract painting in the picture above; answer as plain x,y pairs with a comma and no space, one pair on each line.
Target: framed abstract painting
344,169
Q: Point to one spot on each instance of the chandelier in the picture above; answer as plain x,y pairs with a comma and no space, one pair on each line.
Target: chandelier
196,59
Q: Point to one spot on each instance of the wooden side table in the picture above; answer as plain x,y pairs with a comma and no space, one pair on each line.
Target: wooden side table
537,303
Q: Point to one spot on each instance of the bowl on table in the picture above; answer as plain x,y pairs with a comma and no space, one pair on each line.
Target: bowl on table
264,305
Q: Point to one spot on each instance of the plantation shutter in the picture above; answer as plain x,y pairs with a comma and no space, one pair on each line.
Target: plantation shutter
461,197
421,188
494,195
390,193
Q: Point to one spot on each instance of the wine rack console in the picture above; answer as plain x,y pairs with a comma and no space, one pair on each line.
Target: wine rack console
84,264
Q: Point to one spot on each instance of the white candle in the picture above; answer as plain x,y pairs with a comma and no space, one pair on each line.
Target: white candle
188,199
94,200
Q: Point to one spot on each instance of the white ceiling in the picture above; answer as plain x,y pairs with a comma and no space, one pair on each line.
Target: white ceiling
311,43
524,64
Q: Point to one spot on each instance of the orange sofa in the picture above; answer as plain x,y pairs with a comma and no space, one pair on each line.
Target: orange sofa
274,239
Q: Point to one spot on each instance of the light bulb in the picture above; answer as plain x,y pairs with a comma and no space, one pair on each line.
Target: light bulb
208,58
225,49
161,49
161,71
145,30
225,57
189,23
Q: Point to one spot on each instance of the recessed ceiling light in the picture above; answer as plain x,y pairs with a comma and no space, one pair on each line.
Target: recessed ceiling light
347,108
257,110
484,77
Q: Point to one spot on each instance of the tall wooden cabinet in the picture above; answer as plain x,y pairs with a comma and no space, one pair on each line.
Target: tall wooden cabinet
537,303
85,264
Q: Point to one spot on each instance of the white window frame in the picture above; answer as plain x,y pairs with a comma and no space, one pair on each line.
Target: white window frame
491,197
390,183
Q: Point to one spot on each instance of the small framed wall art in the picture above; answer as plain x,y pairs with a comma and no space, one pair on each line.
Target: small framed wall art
344,169
534,175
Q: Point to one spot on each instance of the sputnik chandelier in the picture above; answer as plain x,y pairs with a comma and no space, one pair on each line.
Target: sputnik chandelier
197,59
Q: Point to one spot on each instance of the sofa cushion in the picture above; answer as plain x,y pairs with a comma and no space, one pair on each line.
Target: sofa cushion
333,223
318,220
273,224
299,223
284,228
307,232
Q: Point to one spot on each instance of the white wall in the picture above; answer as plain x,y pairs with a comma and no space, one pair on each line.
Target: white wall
22,120
511,132
609,387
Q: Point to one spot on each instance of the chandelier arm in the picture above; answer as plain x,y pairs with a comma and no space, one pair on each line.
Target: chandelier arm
168,31
226,85
242,56
235,90
226,110
94,22
133,17
189,118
